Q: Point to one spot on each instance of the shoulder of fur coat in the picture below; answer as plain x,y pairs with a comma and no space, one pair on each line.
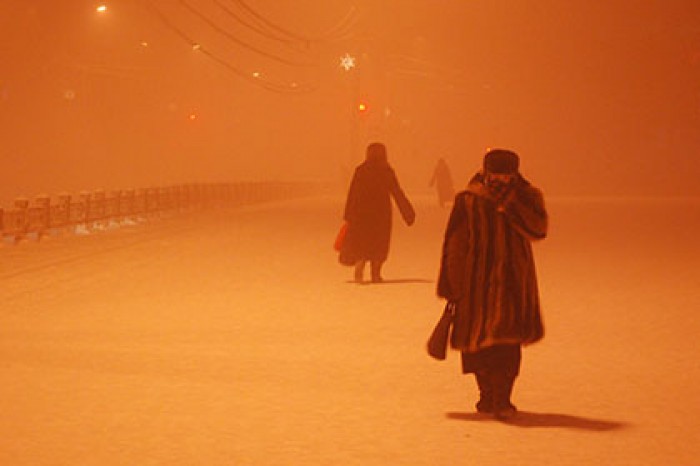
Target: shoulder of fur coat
523,206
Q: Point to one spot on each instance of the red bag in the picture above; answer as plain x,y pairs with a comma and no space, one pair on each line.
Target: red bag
340,238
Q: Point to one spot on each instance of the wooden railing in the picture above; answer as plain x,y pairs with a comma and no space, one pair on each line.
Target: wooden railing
99,210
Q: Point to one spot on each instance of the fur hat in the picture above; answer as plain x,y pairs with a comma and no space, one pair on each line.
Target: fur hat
501,161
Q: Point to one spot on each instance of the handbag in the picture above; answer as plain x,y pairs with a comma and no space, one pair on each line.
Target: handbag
340,237
437,343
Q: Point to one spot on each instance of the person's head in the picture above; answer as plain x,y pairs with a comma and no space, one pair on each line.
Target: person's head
376,153
501,166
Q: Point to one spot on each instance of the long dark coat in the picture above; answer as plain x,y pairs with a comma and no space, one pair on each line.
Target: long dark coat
487,267
368,212
442,180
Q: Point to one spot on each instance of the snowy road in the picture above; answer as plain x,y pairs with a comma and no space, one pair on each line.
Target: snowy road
235,338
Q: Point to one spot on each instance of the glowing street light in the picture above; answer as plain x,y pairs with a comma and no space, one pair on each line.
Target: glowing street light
347,62
101,8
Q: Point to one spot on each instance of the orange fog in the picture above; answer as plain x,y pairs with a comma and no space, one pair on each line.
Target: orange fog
598,98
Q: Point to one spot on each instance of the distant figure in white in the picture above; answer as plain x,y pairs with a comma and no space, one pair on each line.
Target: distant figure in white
487,271
368,213
442,180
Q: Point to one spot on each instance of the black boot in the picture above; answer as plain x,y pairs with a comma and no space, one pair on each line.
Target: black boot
502,384
376,271
359,271
485,403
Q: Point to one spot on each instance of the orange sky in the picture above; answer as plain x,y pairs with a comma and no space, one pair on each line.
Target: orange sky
598,97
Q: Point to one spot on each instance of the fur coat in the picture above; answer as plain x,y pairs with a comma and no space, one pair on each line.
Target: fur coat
487,266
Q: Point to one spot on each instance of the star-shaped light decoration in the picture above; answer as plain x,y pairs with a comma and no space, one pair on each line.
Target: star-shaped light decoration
347,62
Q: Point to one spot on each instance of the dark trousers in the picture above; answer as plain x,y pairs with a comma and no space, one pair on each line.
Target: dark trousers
375,268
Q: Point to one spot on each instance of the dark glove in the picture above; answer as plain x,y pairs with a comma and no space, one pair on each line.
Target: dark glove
499,190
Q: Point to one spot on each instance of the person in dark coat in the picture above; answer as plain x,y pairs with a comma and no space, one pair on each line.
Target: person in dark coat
487,270
442,180
368,213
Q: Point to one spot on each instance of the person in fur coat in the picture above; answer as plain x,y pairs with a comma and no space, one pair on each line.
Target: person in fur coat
487,270
368,213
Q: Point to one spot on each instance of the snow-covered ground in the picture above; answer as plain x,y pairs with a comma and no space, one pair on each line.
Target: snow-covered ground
235,338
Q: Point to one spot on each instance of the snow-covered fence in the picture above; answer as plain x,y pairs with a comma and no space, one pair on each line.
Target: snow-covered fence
99,210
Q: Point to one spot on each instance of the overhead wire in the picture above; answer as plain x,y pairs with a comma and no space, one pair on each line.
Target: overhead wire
234,39
331,34
252,27
412,65
270,24
265,28
343,27
268,85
